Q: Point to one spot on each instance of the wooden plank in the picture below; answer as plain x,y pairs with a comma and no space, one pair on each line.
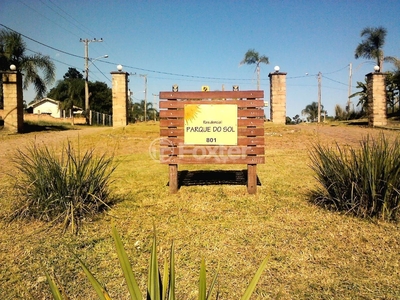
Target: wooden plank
173,178
211,150
241,113
212,160
242,141
171,113
250,113
251,122
240,132
251,131
212,95
171,123
252,179
172,132
239,103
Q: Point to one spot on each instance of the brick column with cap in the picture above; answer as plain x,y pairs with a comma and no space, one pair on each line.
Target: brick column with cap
278,97
120,98
13,112
376,99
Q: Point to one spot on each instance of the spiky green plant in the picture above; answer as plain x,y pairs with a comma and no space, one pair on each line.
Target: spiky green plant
364,181
62,188
157,288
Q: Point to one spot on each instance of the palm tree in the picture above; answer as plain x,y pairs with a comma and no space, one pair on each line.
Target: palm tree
138,110
363,94
394,60
253,57
311,111
392,90
371,46
13,51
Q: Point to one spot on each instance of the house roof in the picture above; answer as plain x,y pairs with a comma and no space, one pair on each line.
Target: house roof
56,102
41,101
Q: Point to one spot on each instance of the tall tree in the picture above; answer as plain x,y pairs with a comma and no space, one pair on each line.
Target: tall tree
69,92
137,111
363,95
311,111
73,73
392,90
13,51
395,78
371,46
253,57
100,97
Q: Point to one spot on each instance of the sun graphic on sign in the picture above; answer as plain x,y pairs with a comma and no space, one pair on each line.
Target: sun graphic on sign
191,111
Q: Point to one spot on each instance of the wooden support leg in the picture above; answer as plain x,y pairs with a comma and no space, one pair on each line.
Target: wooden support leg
173,179
252,179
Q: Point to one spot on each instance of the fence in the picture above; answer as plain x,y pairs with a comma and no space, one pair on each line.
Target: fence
97,118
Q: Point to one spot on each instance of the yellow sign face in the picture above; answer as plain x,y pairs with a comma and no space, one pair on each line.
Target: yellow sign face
208,124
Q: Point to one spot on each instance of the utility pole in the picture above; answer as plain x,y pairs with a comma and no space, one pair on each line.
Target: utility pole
154,103
145,96
86,42
319,96
350,75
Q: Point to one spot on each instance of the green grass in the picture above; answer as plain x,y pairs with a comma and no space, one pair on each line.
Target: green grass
314,253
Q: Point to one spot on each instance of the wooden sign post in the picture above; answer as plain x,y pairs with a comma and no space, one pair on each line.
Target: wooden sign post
212,128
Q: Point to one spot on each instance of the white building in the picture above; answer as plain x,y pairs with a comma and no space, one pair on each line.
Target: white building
51,107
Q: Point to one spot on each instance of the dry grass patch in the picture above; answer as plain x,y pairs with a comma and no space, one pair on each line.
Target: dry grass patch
315,254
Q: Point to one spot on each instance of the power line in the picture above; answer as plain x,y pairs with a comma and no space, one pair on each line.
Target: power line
46,18
170,73
60,16
334,80
345,67
80,24
59,61
107,77
40,43
75,67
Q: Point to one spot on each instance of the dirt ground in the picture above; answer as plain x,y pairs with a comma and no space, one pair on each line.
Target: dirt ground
9,143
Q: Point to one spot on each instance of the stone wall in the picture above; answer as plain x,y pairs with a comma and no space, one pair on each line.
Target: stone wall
278,97
120,98
13,112
376,99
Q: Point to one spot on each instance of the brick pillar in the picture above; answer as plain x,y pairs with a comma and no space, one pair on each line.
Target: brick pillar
120,98
376,99
278,97
13,113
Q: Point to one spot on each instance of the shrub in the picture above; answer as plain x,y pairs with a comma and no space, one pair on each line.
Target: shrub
364,181
158,288
64,188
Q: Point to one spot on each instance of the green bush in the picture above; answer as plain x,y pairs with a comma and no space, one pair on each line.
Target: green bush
364,181
62,188
158,288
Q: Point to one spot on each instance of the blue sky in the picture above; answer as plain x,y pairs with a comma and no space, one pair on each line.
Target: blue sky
196,43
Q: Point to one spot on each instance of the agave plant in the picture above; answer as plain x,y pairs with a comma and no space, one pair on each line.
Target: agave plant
156,289
64,188
363,181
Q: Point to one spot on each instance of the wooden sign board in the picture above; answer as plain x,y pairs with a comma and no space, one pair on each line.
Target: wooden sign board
220,127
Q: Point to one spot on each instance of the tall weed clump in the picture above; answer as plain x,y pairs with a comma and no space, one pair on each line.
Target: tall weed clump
62,188
160,281
363,181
